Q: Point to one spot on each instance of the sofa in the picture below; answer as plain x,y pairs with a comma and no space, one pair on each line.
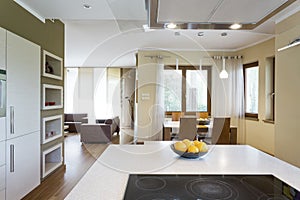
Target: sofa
101,131
74,121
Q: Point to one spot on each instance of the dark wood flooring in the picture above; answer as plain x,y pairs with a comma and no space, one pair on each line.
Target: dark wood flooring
78,159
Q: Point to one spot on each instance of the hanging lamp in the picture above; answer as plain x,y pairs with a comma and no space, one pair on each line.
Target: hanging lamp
223,73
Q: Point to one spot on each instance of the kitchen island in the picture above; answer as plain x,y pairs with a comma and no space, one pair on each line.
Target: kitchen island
107,178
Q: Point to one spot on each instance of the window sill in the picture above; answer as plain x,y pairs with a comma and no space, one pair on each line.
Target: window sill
252,119
269,121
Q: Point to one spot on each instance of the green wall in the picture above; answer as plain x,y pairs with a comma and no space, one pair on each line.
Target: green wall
49,35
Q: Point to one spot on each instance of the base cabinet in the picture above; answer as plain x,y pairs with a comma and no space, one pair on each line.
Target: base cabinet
23,165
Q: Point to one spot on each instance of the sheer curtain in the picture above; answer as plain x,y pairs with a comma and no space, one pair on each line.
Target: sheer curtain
228,94
158,107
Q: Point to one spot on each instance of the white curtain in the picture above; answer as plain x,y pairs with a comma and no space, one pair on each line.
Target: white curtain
158,107
228,94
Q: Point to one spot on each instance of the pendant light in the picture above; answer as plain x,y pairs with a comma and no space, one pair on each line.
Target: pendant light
200,64
223,73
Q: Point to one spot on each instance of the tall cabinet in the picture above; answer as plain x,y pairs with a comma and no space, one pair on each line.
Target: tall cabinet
23,117
2,118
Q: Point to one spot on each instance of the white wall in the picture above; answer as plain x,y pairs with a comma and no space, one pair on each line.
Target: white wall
259,133
287,92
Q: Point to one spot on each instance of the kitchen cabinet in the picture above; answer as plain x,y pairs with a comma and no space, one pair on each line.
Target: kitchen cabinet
23,165
23,86
2,48
22,116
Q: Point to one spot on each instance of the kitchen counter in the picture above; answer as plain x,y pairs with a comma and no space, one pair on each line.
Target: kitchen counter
107,178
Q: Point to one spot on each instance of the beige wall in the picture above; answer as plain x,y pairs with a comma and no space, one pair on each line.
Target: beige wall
258,133
287,132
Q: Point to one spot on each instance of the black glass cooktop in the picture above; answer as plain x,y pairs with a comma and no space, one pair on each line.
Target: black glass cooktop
208,187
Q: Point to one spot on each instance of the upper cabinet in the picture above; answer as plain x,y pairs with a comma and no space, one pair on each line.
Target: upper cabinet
2,48
52,66
23,86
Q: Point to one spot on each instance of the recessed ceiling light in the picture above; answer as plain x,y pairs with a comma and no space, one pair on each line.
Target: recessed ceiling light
177,33
171,25
87,6
200,34
235,26
224,34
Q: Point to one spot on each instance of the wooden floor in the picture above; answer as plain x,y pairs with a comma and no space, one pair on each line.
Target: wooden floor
78,159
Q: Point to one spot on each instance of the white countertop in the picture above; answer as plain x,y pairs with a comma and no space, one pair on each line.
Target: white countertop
107,178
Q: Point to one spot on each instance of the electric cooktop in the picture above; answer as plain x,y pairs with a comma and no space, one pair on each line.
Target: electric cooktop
208,187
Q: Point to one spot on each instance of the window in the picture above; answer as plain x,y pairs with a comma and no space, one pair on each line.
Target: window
196,91
270,89
173,90
251,77
187,89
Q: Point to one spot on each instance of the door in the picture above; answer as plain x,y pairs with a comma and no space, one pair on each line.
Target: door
23,165
23,86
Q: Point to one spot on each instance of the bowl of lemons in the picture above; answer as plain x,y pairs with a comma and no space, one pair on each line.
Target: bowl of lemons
190,149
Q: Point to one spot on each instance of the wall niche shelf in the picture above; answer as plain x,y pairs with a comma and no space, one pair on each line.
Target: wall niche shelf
52,159
52,66
52,97
52,128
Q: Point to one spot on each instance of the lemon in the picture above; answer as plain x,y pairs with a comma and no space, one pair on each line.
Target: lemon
193,149
202,146
187,142
180,146
196,142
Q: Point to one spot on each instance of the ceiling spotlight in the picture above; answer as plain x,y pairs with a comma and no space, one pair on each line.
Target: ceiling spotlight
171,25
200,34
87,6
177,33
235,26
224,34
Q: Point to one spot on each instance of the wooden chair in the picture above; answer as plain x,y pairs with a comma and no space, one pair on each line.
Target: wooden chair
221,130
177,115
187,128
203,115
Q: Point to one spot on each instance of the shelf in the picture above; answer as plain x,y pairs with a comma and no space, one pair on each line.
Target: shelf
52,128
52,66
52,97
52,159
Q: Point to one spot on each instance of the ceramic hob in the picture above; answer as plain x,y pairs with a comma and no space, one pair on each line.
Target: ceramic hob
208,187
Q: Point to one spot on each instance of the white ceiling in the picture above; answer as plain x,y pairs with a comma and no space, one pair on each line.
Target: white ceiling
110,33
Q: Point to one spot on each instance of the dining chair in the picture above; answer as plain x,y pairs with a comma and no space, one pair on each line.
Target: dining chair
187,128
203,115
177,115
221,130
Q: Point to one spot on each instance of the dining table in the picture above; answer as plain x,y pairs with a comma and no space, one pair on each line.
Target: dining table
204,130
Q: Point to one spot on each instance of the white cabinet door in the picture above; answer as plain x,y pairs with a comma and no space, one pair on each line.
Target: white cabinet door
23,165
23,86
2,48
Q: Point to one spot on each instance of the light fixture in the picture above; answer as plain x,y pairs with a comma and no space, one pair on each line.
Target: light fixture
292,44
223,73
200,64
235,26
171,25
87,6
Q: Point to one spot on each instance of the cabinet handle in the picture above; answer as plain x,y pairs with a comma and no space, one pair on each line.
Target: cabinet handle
12,158
12,120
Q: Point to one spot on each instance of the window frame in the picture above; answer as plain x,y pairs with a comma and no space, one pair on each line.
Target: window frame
183,87
246,66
